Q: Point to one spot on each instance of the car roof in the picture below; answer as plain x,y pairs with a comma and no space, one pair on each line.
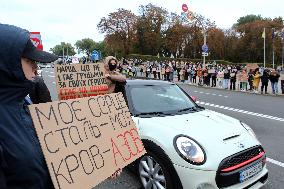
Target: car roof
147,82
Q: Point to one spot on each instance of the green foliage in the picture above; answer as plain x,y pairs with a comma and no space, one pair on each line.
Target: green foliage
58,49
86,45
248,19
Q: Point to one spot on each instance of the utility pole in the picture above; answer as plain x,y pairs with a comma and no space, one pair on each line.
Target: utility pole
204,35
282,40
63,54
273,36
263,36
282,53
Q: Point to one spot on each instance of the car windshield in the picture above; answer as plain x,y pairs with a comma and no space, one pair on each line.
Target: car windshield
160,99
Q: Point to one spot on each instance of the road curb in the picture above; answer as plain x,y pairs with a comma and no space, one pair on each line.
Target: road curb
238,91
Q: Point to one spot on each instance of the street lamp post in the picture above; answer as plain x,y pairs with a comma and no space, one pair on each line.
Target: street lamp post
63,54
282,40
282,53
204,38
190,16
204,35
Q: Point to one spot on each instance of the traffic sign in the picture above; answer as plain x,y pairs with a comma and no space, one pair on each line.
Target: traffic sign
204,54
184,7
205,48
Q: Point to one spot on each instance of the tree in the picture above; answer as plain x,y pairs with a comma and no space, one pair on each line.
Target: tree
150,28
119,29
247,19
250,42
86,45
68,49
216,41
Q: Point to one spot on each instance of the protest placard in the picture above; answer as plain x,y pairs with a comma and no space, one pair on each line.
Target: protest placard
211,71
252,66
163,71
86,140
80,80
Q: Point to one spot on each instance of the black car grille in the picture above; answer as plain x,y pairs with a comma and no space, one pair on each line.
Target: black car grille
228,178
240,158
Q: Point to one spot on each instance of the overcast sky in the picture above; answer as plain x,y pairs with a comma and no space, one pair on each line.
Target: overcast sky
72,20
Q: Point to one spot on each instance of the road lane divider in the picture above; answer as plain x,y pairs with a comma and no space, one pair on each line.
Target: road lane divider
275,162
241,111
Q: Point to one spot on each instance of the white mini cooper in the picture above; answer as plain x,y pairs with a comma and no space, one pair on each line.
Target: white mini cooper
189,147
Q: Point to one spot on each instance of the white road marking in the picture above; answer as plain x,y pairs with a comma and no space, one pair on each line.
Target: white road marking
53,82
51,76
275,162
242,111
213,94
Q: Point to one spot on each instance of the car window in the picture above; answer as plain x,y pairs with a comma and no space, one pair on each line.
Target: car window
159,98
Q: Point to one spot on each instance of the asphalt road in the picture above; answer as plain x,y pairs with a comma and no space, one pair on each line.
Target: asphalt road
265,114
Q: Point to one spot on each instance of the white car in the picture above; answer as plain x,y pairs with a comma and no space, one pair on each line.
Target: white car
189,147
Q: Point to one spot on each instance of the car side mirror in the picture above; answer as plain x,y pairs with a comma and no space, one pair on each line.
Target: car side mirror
194,98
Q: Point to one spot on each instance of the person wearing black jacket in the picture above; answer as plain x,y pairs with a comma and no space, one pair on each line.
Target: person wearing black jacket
22,164
226,79
274,77
250,79
40,92
233,79
264,81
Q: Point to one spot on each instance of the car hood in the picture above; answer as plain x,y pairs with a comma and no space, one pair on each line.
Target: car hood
219,135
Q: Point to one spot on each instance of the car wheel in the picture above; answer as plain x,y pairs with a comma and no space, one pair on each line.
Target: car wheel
155,171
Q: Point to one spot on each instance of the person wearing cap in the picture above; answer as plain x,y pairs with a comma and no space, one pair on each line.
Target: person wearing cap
114,78
22,164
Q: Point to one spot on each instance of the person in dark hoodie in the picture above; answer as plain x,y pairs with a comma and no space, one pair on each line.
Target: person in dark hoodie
40,92
22,164
264,81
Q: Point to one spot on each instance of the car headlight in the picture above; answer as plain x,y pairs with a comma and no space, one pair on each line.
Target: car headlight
189,150
249,129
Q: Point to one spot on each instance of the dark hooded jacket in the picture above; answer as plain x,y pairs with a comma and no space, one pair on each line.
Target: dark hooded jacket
22,165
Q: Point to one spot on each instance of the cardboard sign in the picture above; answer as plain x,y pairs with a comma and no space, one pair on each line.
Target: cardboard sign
211,71
252,66
80,80
86,140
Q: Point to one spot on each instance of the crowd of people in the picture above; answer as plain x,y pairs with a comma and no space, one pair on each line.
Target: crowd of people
229,77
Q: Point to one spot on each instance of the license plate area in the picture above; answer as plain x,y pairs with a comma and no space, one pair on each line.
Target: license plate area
250,171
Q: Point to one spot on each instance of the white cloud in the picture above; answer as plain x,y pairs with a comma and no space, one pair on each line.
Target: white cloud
72,20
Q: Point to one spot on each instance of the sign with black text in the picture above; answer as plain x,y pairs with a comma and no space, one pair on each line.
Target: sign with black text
86,140
80,80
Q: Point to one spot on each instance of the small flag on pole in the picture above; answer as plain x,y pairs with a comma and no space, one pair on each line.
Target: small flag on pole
263,34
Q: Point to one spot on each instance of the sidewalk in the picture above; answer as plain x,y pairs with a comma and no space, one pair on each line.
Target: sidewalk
269,89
